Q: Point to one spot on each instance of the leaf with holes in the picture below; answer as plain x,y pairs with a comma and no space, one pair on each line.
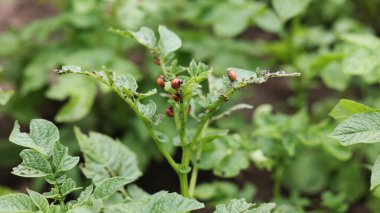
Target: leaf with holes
43,134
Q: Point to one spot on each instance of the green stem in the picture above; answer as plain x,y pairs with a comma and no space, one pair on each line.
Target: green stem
185,161
167,156
61,201
194,173
277,182
149,126
184,184
163,65
198,132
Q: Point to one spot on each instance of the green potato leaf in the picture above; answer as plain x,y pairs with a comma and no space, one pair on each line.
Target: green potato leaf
359,128
17,203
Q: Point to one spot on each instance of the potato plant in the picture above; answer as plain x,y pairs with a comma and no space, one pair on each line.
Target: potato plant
110,165
358,124
333,43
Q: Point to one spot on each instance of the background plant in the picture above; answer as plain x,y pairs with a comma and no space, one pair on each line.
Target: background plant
322,40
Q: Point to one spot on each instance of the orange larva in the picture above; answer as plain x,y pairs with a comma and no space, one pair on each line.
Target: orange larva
232,75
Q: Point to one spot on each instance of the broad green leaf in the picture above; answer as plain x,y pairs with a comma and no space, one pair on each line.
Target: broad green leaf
364,40
39,200
269,21
10,43
304,170
84,6
375,175
34,164
68,186
35,74
218,192
95,171
287,9
59,151
335,202
53,193
261,161
136,192
241,206
147,110
335,148
264,208
359,60
231,164
5,96
56,178
109,186
79,91
144,36
344,178
169,41
61,160
346,108
81,210
85,195
161,136
333,76
104,156
160,202
43,134
235,22
16,203
234,206
125,81
69,162
359,128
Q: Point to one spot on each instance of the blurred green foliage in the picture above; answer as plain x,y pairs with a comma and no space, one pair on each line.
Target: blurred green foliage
333,43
